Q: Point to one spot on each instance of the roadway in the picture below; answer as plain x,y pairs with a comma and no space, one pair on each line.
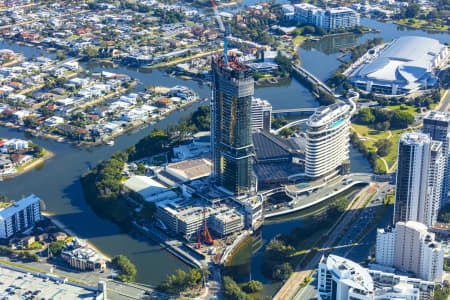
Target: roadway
356,252
323,192
291,286
444,105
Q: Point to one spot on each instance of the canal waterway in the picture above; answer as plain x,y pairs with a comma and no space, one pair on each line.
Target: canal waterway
57,180
321,57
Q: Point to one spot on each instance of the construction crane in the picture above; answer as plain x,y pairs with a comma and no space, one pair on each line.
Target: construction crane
226,31
206,235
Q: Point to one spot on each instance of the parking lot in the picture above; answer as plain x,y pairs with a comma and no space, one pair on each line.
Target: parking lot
17,285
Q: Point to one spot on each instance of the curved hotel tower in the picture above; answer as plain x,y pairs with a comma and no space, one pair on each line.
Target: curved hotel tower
327,139
231,124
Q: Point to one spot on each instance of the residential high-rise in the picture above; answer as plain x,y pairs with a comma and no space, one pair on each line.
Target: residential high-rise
329,19
261,114
412,182
385,246
437,125
436,171
409,247
327,139
231,139
20,216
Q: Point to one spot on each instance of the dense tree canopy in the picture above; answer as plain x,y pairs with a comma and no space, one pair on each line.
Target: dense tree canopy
127,269
182,281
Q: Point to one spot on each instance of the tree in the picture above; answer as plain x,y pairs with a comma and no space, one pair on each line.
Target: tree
232,291
152,144
278,122
325,98
127,269
365,116
383,147
56,247
412,10
141,169
181,281
90,52
286,132
252,286
60,55
30,122
336,79
401,119
284,64
201,118
282,272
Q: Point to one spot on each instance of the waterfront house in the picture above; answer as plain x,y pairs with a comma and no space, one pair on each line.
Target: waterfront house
20,159
53,121
6,164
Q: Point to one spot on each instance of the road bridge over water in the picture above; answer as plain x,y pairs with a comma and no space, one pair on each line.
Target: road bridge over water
309,76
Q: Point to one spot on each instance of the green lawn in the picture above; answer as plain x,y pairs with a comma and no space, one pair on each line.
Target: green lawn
372,136
298,40
439,24
404,107
391,158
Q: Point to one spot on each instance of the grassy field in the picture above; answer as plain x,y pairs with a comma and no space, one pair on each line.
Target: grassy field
298,40
371,136
404,107
424,24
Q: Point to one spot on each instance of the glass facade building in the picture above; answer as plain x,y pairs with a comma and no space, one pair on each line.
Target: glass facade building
231,139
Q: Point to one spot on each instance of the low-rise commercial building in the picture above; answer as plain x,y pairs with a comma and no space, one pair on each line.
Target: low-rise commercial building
190,169
21,215
80,256
149,189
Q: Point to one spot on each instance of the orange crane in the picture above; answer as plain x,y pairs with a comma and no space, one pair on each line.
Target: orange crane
206,235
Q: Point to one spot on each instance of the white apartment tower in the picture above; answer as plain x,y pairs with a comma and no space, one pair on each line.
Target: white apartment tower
437,125
385,246
19,216
261,114
419,179
329,19
327,139
409,247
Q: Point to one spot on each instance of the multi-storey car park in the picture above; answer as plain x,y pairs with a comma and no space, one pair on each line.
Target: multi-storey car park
327,139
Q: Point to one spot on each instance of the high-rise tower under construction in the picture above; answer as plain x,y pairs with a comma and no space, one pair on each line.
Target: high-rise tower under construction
231,104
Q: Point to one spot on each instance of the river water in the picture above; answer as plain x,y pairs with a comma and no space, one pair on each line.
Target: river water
57,181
